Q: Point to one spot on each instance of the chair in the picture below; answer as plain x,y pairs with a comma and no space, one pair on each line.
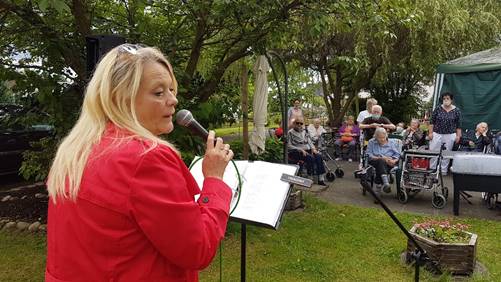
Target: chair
368,173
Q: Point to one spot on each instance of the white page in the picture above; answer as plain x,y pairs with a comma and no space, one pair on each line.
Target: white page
230,177
263,194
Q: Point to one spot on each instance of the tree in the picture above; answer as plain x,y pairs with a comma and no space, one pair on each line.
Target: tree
43,43
441,30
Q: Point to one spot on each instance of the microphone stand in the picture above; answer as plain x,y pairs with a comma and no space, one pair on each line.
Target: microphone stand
419,255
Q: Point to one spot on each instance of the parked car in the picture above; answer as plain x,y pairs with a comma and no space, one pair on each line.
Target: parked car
18,128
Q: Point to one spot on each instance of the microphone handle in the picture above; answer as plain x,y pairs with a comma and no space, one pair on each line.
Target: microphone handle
199,130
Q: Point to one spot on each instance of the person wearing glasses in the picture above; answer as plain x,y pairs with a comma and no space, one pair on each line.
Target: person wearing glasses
301,148
121,204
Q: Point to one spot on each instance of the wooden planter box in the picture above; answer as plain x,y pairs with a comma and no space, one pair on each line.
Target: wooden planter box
457,258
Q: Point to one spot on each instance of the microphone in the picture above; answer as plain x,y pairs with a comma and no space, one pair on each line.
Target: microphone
185,118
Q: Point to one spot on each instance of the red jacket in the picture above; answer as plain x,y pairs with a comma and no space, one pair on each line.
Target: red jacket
135,219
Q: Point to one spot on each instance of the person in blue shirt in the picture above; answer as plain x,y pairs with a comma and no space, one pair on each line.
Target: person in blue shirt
383,156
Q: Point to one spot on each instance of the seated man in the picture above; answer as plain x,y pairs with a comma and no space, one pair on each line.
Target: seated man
413,135
315,131
301,148
383,155
349,133
376,120
476,141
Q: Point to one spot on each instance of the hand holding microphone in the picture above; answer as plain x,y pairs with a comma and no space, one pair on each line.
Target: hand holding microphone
217,154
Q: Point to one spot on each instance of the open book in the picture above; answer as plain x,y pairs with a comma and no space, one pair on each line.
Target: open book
263,195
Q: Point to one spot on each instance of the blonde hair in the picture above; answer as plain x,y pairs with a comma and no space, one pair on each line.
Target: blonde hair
110,97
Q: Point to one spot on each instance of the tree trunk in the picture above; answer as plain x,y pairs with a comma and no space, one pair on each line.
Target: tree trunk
326,93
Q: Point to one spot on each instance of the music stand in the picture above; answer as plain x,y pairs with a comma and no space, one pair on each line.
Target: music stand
419,255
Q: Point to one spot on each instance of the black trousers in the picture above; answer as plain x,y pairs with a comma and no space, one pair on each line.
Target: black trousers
313,162
381,168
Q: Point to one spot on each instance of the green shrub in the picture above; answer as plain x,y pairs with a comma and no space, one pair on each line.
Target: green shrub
273,151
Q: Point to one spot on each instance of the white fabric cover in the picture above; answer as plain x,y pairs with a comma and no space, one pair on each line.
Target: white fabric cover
477,164
260,106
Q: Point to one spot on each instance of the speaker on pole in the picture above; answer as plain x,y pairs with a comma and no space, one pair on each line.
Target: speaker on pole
97,46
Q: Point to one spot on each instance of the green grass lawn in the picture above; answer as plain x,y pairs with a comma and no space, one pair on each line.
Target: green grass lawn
223,131
325,242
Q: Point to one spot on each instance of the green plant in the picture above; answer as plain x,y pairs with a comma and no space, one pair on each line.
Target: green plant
273,151
443,231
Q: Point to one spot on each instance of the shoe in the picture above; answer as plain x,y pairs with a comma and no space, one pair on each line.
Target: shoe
338,159
350,160
386,183
320,182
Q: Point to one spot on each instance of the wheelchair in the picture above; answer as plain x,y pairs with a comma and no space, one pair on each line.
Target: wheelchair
367,173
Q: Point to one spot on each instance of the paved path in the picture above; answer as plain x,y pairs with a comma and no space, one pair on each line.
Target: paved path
347,190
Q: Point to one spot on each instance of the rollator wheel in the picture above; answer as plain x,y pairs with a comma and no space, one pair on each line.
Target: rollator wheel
445,192
403,197
438,201
491,201
330,176
339,172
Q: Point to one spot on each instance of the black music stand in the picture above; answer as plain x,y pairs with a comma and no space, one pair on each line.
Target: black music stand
419,255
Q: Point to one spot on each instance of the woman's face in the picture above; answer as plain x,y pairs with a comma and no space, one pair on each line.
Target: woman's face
414,125
156,101
381,138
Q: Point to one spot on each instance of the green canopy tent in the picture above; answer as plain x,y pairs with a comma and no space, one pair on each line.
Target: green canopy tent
475,81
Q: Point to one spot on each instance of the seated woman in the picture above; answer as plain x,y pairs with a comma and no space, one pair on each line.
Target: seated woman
413,135
475,141
301,148
349,133
383,155
315,130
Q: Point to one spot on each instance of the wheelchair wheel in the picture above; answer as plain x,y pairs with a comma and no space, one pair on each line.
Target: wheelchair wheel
330,176
339,172
403,197
438,201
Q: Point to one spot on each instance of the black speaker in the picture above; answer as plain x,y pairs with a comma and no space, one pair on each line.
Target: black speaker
97,46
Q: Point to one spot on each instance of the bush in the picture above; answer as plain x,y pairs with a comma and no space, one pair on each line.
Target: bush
273,151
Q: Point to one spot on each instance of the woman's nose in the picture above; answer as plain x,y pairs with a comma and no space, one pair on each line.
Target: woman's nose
172,100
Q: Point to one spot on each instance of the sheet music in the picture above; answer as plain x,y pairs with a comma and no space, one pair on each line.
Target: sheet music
263,194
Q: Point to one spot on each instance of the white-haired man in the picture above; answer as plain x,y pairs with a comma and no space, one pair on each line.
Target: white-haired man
376,120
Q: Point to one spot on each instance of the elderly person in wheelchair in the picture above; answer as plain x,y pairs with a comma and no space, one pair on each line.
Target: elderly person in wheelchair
413,136
302,150
477,140
383,155
315,130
